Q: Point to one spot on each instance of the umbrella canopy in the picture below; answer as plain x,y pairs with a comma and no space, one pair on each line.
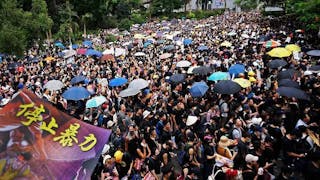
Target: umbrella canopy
140,54
104,82
165,55
169,47
202,70
138,84
198,89
138,36
271,44
274,64
49,58
315,68
59,44
232,33
117,82
217,76
287,74
245,36
75,46
87,43
187,41
244,83
314,53
76,93
129,92
146,44
203,48
190,69
92,52
293,92
177,78
226,44
81,51
53,85
183,63
279,52
77,79
227,87
95,101
13,66
107,57
293,48
236,69
288,83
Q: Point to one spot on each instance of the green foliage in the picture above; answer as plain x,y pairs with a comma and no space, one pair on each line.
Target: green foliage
191,15
159,7
125,24
247,4
111,38
138,18
12,39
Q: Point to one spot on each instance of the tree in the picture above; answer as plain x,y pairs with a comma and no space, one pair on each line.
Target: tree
40,23
84,19
159,7
68,19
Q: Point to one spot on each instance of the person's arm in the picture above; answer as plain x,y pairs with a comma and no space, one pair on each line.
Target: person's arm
130,168
141,154
149,151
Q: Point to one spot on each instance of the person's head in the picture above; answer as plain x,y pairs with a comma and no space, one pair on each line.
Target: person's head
238,123
251,160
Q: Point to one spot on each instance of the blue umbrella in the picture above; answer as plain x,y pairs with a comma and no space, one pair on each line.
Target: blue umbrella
95,101
187,41
118,82
59,44
77,79
75,46
293,92
203,48
34,60
177,78
146,44
92,52
160,41
236,69
198,89
76,93
169,47
217,76
87,43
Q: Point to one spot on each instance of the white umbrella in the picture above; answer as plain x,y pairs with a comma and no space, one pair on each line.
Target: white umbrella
245,36
108,51
129,92
104,82
183,63
54,85
140,54
165,55
69,53
138,84
190,70
120,52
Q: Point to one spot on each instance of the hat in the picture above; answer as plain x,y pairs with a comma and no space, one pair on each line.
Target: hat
146,113
224,141
307,73
251,73
110,124
191,120
38,84
155,76
118,156
106,157
252,79
251,158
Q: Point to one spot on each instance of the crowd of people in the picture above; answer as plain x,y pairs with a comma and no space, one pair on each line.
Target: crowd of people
164,132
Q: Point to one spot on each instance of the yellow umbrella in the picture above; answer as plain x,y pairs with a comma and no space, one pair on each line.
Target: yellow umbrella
50,58
293,48
138,36
226,44
244,83
279,52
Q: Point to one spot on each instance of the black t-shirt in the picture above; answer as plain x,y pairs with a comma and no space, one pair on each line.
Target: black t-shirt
239,160
288,146
165,136
208,151
312,171
154,164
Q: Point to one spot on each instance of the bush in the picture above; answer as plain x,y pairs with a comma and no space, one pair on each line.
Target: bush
191,15
125,24
138,18
109,22
111,38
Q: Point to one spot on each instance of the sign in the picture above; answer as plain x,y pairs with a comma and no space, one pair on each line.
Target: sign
37,141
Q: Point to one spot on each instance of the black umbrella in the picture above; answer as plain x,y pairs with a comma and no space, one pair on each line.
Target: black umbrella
274,64
77,79
227,87
287,74
288,83
315,68
202,70
177,78
13,66
293,92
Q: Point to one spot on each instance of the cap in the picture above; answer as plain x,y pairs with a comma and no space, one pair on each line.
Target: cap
110,124
251,158
146,113
106,157
191,120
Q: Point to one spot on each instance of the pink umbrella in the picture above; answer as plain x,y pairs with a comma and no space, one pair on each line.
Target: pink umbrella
82,51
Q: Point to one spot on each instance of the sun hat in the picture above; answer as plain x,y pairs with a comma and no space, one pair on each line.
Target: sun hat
191,120
251,158
224,141
146,113
110,124
106,157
